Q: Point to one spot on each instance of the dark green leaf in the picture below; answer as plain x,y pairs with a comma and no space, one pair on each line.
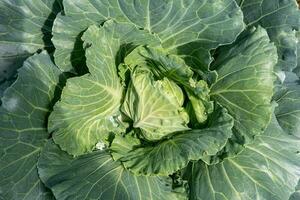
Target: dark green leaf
181,25
267,169
25,27
280,18
23,132
288,110
95,176
245,82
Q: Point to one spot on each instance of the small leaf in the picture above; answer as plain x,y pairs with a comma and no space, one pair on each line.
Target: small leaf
199,105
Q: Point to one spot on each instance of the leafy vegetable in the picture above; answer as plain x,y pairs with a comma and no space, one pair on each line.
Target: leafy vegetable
146,99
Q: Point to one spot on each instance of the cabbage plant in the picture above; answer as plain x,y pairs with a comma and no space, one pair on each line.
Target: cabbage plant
149,100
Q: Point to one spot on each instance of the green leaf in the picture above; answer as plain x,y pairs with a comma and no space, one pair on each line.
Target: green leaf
297,69
199,106
69,27
23,116
290,78
4,84
288,110
172,91
89,106
181,25
152,107
280,19
161,63
25,27
296,194
168,156
267,169
96,176
122,145
245,82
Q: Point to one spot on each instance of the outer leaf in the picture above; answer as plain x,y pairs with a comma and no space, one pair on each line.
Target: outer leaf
25,27
168,156
89,107
289,78
288,109
181,25
245,82
4,84
279,18
96,176
296,194
267,169
68,29
149,105
23,133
